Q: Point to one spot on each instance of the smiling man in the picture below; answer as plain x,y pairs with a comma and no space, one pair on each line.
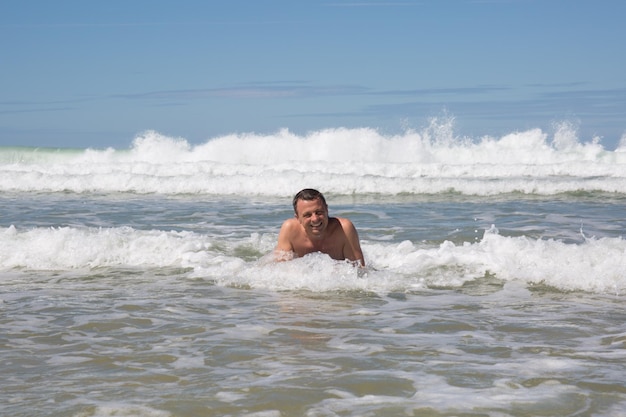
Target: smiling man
312,230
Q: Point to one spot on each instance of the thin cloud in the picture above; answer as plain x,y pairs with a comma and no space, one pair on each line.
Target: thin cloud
44,106
89,25
497,1
35,110
610,95
596,103
250,91
281,90
443,91
558,85
374,4
82,25
605,106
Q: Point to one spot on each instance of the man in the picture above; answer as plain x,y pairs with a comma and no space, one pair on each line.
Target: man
312,230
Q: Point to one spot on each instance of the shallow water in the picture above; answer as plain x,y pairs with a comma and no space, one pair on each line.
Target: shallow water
140,343
153,306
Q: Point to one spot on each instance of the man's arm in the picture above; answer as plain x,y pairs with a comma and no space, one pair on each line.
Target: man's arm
352,249
284,249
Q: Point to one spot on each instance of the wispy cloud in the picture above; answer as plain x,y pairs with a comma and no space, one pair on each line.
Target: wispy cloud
251,91
600,110
559,85
609,95
83,25
35,110
70,25
8,107
284,90
496,1
374,4
549,104
443,91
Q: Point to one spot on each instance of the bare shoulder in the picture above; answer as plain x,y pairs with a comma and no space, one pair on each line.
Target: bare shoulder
345,227
346,224
349,230
290,228
290,224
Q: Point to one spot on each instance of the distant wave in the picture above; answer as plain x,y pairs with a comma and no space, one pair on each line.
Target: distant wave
340,161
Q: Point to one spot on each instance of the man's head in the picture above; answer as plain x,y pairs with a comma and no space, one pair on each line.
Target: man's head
308,194
311,212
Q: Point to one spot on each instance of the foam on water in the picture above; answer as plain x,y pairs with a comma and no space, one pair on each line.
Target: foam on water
344,161
596,265
166,305
122,410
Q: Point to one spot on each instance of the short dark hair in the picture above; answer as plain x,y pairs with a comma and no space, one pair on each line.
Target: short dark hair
308,194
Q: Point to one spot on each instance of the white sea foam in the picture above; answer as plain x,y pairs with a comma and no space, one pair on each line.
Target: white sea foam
596,265
68,248
343,161
123,410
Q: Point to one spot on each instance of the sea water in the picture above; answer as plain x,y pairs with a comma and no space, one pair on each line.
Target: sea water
139,281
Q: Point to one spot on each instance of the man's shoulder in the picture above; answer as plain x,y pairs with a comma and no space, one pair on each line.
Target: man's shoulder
346,226
343,221
290,224
290,221
339,223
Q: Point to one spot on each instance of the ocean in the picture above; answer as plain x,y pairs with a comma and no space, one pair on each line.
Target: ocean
139,281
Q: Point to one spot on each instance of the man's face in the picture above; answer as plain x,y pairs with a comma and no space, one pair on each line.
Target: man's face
313,216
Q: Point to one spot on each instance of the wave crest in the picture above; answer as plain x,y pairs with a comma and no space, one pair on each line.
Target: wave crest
342,161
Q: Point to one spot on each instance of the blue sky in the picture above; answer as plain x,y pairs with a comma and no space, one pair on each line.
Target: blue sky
85,73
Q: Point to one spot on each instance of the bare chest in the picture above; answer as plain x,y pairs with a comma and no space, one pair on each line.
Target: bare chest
331,247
